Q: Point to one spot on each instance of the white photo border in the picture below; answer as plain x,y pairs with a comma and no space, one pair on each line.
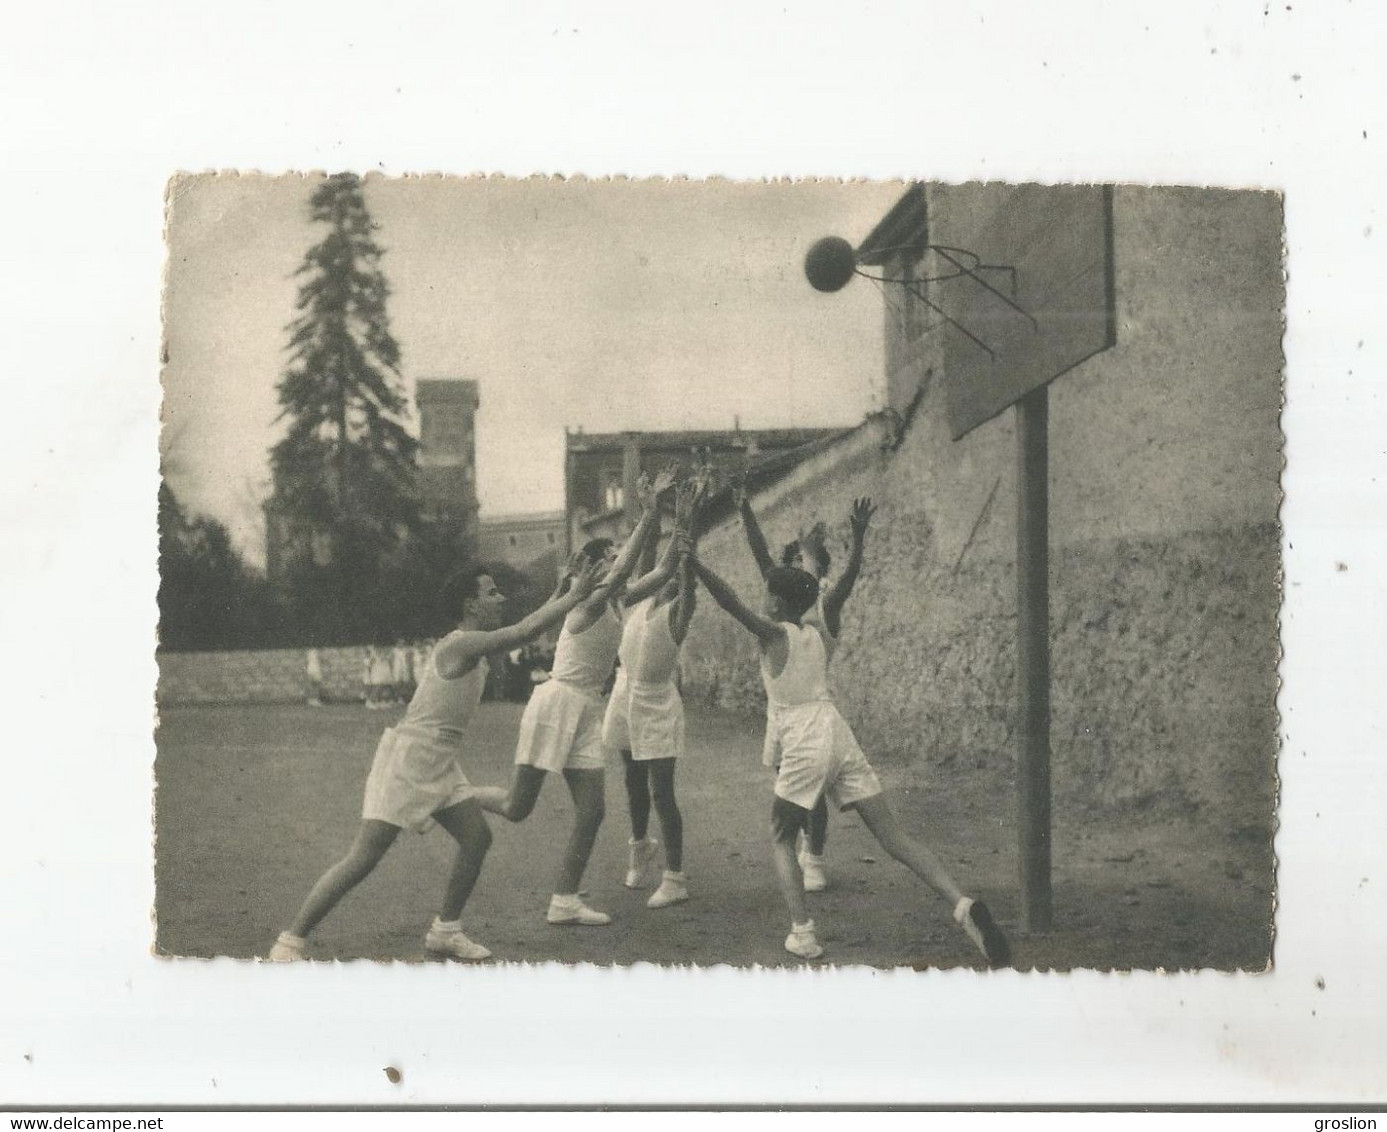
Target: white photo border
111,103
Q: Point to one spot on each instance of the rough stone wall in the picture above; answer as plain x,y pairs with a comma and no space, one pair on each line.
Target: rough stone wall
265,676
1165,458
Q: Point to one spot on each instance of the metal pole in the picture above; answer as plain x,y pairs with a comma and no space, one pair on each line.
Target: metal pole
1033,656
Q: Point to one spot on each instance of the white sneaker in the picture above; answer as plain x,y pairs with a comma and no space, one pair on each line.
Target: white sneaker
642,856
815,878
672,890
452,944
976,920
288,948
803,942
571,910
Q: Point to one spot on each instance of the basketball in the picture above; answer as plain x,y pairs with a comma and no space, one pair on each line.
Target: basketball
830,264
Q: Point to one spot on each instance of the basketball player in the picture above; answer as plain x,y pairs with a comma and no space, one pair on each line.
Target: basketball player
641,850
561,730
645,715
817,752
415,777
814,842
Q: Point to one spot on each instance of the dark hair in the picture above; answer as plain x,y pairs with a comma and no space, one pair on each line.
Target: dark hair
596,549
789,552
796,588
459,588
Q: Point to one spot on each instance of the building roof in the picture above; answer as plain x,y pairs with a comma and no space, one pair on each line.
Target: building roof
698,438
449,389
770,469
530,519
760,474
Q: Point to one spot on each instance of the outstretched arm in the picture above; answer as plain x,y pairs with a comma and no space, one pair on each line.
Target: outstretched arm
652,582
755,539
765,630
630,553
682,611
570,570
460,651
862,511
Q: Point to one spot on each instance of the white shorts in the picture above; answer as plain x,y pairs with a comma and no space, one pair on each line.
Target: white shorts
414,775
561,729
616,724
818,754
656,721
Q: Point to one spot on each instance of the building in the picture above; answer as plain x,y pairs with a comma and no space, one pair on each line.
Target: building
601,468
448,452
1165,461
532,544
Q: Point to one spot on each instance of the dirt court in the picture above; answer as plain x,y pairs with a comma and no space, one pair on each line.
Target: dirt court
253,803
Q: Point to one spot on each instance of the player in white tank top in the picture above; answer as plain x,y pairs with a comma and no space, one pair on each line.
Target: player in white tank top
646,713
415,778
818,753
561,730
805,552
616,735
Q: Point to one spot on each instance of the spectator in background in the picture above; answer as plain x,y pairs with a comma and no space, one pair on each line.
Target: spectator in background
422,653
313,670
401,673
378,697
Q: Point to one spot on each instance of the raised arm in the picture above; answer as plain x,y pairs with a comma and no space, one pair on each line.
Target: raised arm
652,582
755,539
630,552
682,611
862,512
765,630
460,651
569,572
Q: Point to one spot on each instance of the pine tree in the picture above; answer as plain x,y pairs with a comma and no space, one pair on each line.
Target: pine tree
345,499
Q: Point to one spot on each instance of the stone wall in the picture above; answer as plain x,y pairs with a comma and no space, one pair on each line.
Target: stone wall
264,676
1165,459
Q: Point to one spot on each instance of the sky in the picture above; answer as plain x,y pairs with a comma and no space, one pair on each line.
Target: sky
605,305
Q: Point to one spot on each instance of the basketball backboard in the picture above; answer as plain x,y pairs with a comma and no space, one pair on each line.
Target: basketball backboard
1019,279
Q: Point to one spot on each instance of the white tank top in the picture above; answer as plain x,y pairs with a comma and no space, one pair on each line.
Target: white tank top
632,634
583,661
659,655
805,678
445,707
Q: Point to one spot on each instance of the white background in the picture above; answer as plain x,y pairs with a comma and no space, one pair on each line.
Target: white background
103,103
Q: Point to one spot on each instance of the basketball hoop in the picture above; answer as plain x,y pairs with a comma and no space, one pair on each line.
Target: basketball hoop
831,263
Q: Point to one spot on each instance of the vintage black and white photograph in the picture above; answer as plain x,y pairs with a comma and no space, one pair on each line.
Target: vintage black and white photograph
695,572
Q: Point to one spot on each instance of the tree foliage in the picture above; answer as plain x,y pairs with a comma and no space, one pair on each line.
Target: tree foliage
345,503
208,597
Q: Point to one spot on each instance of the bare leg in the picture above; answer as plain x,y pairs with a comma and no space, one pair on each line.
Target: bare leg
787,819
588,788
467,824
671,820
883,824
637,795
517,803
373,839
818,826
